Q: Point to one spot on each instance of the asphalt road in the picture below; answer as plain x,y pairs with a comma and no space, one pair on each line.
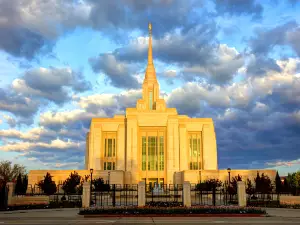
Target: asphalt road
152,220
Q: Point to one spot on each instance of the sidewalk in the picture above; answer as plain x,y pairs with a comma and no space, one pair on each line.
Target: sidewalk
282,212
58,213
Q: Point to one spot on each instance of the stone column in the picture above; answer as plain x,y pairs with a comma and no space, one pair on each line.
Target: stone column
86,194
241,191
142,194
11,192
187,194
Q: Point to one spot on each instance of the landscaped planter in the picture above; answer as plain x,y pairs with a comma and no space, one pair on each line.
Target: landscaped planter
172,211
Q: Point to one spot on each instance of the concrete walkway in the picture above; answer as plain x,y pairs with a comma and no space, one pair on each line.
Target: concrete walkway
282,212
41,213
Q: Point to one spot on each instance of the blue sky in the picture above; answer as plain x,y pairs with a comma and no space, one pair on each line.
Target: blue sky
65,62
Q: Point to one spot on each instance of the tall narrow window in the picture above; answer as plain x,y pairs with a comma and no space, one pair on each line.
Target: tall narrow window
114,147
144,154
110,153
150,100
152,153
161,153
195,151
109,147
105,148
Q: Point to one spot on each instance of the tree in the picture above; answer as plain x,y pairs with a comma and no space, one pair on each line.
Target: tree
250,190
263,184
232,189
9,172
209,184
70,184
285,187
47,185
19,184
99,185
24,184
278,183
297,181
291,180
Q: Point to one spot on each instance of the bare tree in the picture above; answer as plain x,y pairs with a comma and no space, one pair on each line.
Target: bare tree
9,172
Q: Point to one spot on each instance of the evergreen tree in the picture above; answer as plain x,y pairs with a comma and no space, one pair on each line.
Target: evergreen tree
278,183
257,183
285,187
47,185
250,190
24,184
19,184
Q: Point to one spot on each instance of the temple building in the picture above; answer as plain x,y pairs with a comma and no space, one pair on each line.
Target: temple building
152,143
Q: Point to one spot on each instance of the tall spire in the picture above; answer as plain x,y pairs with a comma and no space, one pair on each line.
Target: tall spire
150,57
150,75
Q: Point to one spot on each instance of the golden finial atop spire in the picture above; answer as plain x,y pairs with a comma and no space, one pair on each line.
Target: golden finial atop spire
150,71
150,28
150,59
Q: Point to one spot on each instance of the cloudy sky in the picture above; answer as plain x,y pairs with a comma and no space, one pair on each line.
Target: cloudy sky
63,62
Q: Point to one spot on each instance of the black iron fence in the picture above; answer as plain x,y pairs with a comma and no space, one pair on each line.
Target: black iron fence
259,199
115,195
164,195
215,196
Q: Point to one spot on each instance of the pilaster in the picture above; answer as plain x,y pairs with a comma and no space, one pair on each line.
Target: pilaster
187,194
241,189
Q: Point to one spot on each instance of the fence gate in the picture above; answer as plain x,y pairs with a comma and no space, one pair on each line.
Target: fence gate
167,194
116,195
215,196
3,197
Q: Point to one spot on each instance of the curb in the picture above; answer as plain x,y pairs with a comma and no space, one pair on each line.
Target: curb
178,215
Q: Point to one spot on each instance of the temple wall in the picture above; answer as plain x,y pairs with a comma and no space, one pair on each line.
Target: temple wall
195,176
59,176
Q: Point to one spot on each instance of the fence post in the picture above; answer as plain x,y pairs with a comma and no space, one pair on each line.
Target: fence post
142,194
214,194
187,194
114,196
241,189
11,192
86,194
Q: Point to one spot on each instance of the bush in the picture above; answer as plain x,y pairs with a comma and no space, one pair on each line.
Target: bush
170,211
164,204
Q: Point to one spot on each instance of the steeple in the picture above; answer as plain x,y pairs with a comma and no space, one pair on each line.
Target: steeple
150,75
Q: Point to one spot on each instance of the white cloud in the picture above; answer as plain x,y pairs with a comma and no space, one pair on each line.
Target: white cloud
53,145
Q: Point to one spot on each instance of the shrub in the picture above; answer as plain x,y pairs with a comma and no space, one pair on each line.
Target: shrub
170,211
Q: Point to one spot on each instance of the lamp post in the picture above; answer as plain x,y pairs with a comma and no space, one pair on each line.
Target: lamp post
91,172
228,170
108,178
